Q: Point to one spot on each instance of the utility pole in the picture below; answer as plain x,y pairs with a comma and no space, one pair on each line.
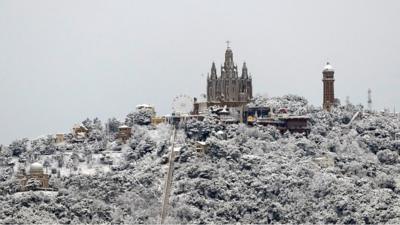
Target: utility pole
241,114
369,100
168,180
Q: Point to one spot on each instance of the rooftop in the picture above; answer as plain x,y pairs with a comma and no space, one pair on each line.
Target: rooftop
328,67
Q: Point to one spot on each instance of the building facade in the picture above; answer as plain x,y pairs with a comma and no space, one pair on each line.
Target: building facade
229,87
124,133
329,89
37,174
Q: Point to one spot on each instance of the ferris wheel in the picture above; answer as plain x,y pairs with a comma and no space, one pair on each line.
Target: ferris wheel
182,104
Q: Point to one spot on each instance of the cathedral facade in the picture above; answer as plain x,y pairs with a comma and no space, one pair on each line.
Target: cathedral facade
229,87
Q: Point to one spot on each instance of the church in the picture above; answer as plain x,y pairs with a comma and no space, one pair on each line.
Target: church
229,88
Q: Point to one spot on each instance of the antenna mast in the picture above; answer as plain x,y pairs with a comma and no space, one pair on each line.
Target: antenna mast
369,99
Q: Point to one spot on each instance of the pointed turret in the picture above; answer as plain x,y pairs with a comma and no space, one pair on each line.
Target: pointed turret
245,74
213,71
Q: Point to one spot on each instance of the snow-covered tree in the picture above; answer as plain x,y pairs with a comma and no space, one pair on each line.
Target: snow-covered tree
113,125
140,117
18,147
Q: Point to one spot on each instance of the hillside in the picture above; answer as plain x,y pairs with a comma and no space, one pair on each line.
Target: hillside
336,174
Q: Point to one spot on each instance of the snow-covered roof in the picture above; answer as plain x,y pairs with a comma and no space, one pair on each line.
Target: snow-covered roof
80,126
296,117
143,106
123,126
36,167
328,67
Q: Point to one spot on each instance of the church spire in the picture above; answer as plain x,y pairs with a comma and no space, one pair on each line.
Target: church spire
213,71
245,74
228,57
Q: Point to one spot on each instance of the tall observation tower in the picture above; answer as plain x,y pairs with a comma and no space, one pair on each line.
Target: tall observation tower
329,89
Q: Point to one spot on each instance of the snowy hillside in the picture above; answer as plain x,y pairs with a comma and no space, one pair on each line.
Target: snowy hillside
339,173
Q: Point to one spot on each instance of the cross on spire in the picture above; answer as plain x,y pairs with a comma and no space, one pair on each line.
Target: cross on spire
227,43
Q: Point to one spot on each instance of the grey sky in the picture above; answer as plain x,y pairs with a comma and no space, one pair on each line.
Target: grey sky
63,61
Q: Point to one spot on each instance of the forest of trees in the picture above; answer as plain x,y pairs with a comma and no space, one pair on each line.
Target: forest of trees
336,174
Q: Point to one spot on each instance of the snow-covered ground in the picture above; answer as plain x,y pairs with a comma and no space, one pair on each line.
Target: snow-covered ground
339,173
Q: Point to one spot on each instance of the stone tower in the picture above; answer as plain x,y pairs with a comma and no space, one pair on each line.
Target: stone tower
229,87
329,89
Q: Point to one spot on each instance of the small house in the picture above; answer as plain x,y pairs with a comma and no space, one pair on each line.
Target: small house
59,138
124,133
80,131
36,179
201,147
157,120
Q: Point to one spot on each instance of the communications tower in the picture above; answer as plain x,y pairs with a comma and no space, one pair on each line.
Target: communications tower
369,100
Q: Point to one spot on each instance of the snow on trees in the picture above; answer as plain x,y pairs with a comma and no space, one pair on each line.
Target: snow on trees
336,174
140,117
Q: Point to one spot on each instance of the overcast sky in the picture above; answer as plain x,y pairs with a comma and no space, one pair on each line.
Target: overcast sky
64,61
